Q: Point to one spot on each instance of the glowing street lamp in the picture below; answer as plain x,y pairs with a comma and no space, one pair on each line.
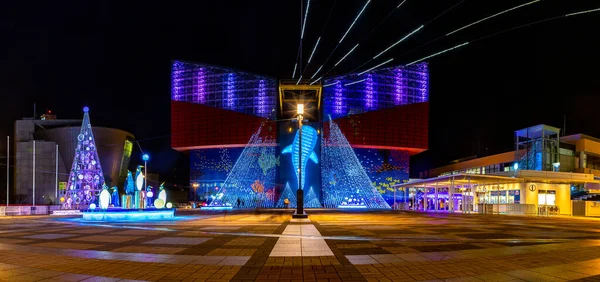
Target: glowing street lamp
300,109
299,192
145,158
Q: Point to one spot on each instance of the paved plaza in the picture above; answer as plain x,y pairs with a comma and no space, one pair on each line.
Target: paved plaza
330,246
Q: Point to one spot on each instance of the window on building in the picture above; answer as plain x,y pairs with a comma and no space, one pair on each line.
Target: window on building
547,197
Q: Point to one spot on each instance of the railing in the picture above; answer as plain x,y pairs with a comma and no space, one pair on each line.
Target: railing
548,210
401,206
27,210
523,209
23,210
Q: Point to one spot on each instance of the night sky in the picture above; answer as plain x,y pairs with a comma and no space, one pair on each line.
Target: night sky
114,56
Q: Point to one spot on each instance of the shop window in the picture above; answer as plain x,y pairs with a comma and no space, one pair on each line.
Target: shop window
547,197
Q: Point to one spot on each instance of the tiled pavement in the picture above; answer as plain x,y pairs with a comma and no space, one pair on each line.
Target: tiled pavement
331,246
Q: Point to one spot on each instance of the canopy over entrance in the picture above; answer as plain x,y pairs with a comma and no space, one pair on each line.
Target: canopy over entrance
520,176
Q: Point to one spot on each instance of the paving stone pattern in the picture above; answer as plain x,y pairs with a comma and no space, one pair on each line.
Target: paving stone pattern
330,246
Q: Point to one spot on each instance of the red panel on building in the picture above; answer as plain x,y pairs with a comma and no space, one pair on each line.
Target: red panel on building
195,126
399,128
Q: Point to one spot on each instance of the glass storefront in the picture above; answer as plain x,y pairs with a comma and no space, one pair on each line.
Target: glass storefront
500,197
547,197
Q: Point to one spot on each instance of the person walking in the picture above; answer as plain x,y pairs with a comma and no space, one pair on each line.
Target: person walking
286,202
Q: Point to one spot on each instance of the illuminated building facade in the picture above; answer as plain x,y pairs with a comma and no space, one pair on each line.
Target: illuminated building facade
376,90
216,114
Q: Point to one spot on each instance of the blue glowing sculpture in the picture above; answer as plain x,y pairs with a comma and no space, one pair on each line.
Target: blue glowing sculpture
129,187
309,141
287,194
115,197
311,200
251,181
343,176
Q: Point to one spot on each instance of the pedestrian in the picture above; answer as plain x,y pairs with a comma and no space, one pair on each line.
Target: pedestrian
286,203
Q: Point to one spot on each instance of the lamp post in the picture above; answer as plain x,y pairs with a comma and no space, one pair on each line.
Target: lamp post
145,158
33,171
300,192
7,167
195,185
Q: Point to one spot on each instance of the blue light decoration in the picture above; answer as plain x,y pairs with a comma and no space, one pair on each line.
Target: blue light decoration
424,76
223,88
385,169
178,75
370,98
252,178
149,196
129,186
339,103
200,86
114,200
262,98
217,208
343,176
399,90
209,169
375,90
230,98
145,157
311,200
352,207
309,141
86,177
287,194
129,215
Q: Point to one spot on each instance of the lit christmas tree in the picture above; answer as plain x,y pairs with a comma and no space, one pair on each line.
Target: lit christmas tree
311,200
344,180
86,178
287,194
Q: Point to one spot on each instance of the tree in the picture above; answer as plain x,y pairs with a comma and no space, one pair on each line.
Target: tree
86,177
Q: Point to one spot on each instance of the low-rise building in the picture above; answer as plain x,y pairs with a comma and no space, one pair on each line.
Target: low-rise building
54,149
542,175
